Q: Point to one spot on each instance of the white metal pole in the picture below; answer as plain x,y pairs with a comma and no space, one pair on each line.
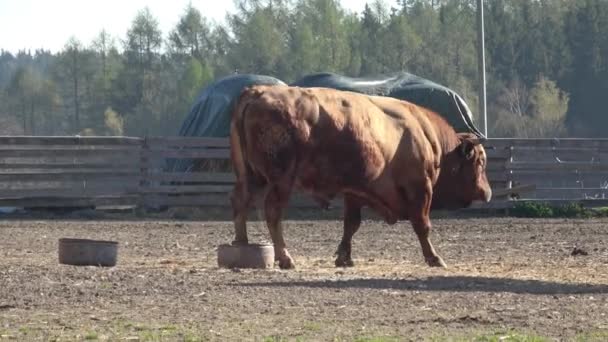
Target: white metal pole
482,67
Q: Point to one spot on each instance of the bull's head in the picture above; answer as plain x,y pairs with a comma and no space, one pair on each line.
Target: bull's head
462,178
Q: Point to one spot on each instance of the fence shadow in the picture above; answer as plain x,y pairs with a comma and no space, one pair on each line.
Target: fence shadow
448,284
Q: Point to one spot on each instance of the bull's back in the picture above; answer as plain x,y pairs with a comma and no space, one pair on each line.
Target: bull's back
339,139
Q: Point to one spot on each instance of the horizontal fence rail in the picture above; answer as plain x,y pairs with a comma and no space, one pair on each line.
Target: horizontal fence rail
161,172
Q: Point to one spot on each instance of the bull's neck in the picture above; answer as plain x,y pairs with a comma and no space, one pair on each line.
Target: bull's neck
448,139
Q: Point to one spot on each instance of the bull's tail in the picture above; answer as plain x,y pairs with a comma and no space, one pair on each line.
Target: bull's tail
238,141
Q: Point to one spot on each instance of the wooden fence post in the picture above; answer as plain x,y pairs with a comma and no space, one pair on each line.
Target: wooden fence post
143,180
509,173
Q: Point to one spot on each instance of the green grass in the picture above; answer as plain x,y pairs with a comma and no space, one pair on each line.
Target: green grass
510,337
91,336
312,326
278,339
491,336
120,329
162,333
376,339
594,336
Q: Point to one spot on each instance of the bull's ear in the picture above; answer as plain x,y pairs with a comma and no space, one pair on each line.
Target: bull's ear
467,149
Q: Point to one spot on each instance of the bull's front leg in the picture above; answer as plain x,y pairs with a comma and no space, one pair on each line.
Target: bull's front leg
352,221
421,222
422,227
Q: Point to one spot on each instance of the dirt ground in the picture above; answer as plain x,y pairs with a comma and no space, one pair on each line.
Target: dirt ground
506,276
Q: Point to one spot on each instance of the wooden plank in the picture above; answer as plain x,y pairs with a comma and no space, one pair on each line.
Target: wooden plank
554,175
569,193
589,203
548,142
573,188
173,141
222,200
561,154
203,177
496,167
68,183
498,185
230,178
117,148
134,163
63,192
556,159
549,167
68,202
574,182
67,176
185,189
573,148
499,153
497,176
69,140
72,159
68,152
190,154
296,201
513,191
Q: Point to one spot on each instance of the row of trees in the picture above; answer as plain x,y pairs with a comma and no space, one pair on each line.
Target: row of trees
547,62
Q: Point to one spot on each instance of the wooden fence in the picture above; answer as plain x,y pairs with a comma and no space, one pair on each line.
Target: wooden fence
145,172
548,170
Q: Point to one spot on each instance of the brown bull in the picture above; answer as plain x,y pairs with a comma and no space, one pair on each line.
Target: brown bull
393,156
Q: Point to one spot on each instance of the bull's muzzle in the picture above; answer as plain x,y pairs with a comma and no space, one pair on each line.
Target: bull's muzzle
487,195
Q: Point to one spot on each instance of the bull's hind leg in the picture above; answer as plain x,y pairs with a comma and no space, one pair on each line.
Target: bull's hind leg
421,222
352,221
241,200
276,200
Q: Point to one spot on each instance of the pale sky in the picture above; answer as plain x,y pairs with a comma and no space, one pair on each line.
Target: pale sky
48,24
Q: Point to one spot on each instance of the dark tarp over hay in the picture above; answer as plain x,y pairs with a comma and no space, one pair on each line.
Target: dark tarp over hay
403,86
210,114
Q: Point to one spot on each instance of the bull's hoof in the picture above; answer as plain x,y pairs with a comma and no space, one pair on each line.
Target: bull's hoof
286,263
284,259
344,262
436,261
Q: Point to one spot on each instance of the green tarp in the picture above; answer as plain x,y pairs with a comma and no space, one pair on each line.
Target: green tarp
210,114
403,86
211,111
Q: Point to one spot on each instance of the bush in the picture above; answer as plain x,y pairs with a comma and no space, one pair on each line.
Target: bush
543,210
571,210
531,209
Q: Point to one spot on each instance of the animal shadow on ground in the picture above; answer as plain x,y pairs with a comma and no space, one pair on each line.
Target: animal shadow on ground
449,284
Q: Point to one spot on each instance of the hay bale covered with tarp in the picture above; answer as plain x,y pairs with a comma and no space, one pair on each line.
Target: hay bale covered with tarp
210,115
211,112
404,86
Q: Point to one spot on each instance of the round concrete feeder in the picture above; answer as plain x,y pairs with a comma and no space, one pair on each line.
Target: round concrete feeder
84,252
245,256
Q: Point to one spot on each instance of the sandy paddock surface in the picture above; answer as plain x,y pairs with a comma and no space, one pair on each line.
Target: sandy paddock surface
506,277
